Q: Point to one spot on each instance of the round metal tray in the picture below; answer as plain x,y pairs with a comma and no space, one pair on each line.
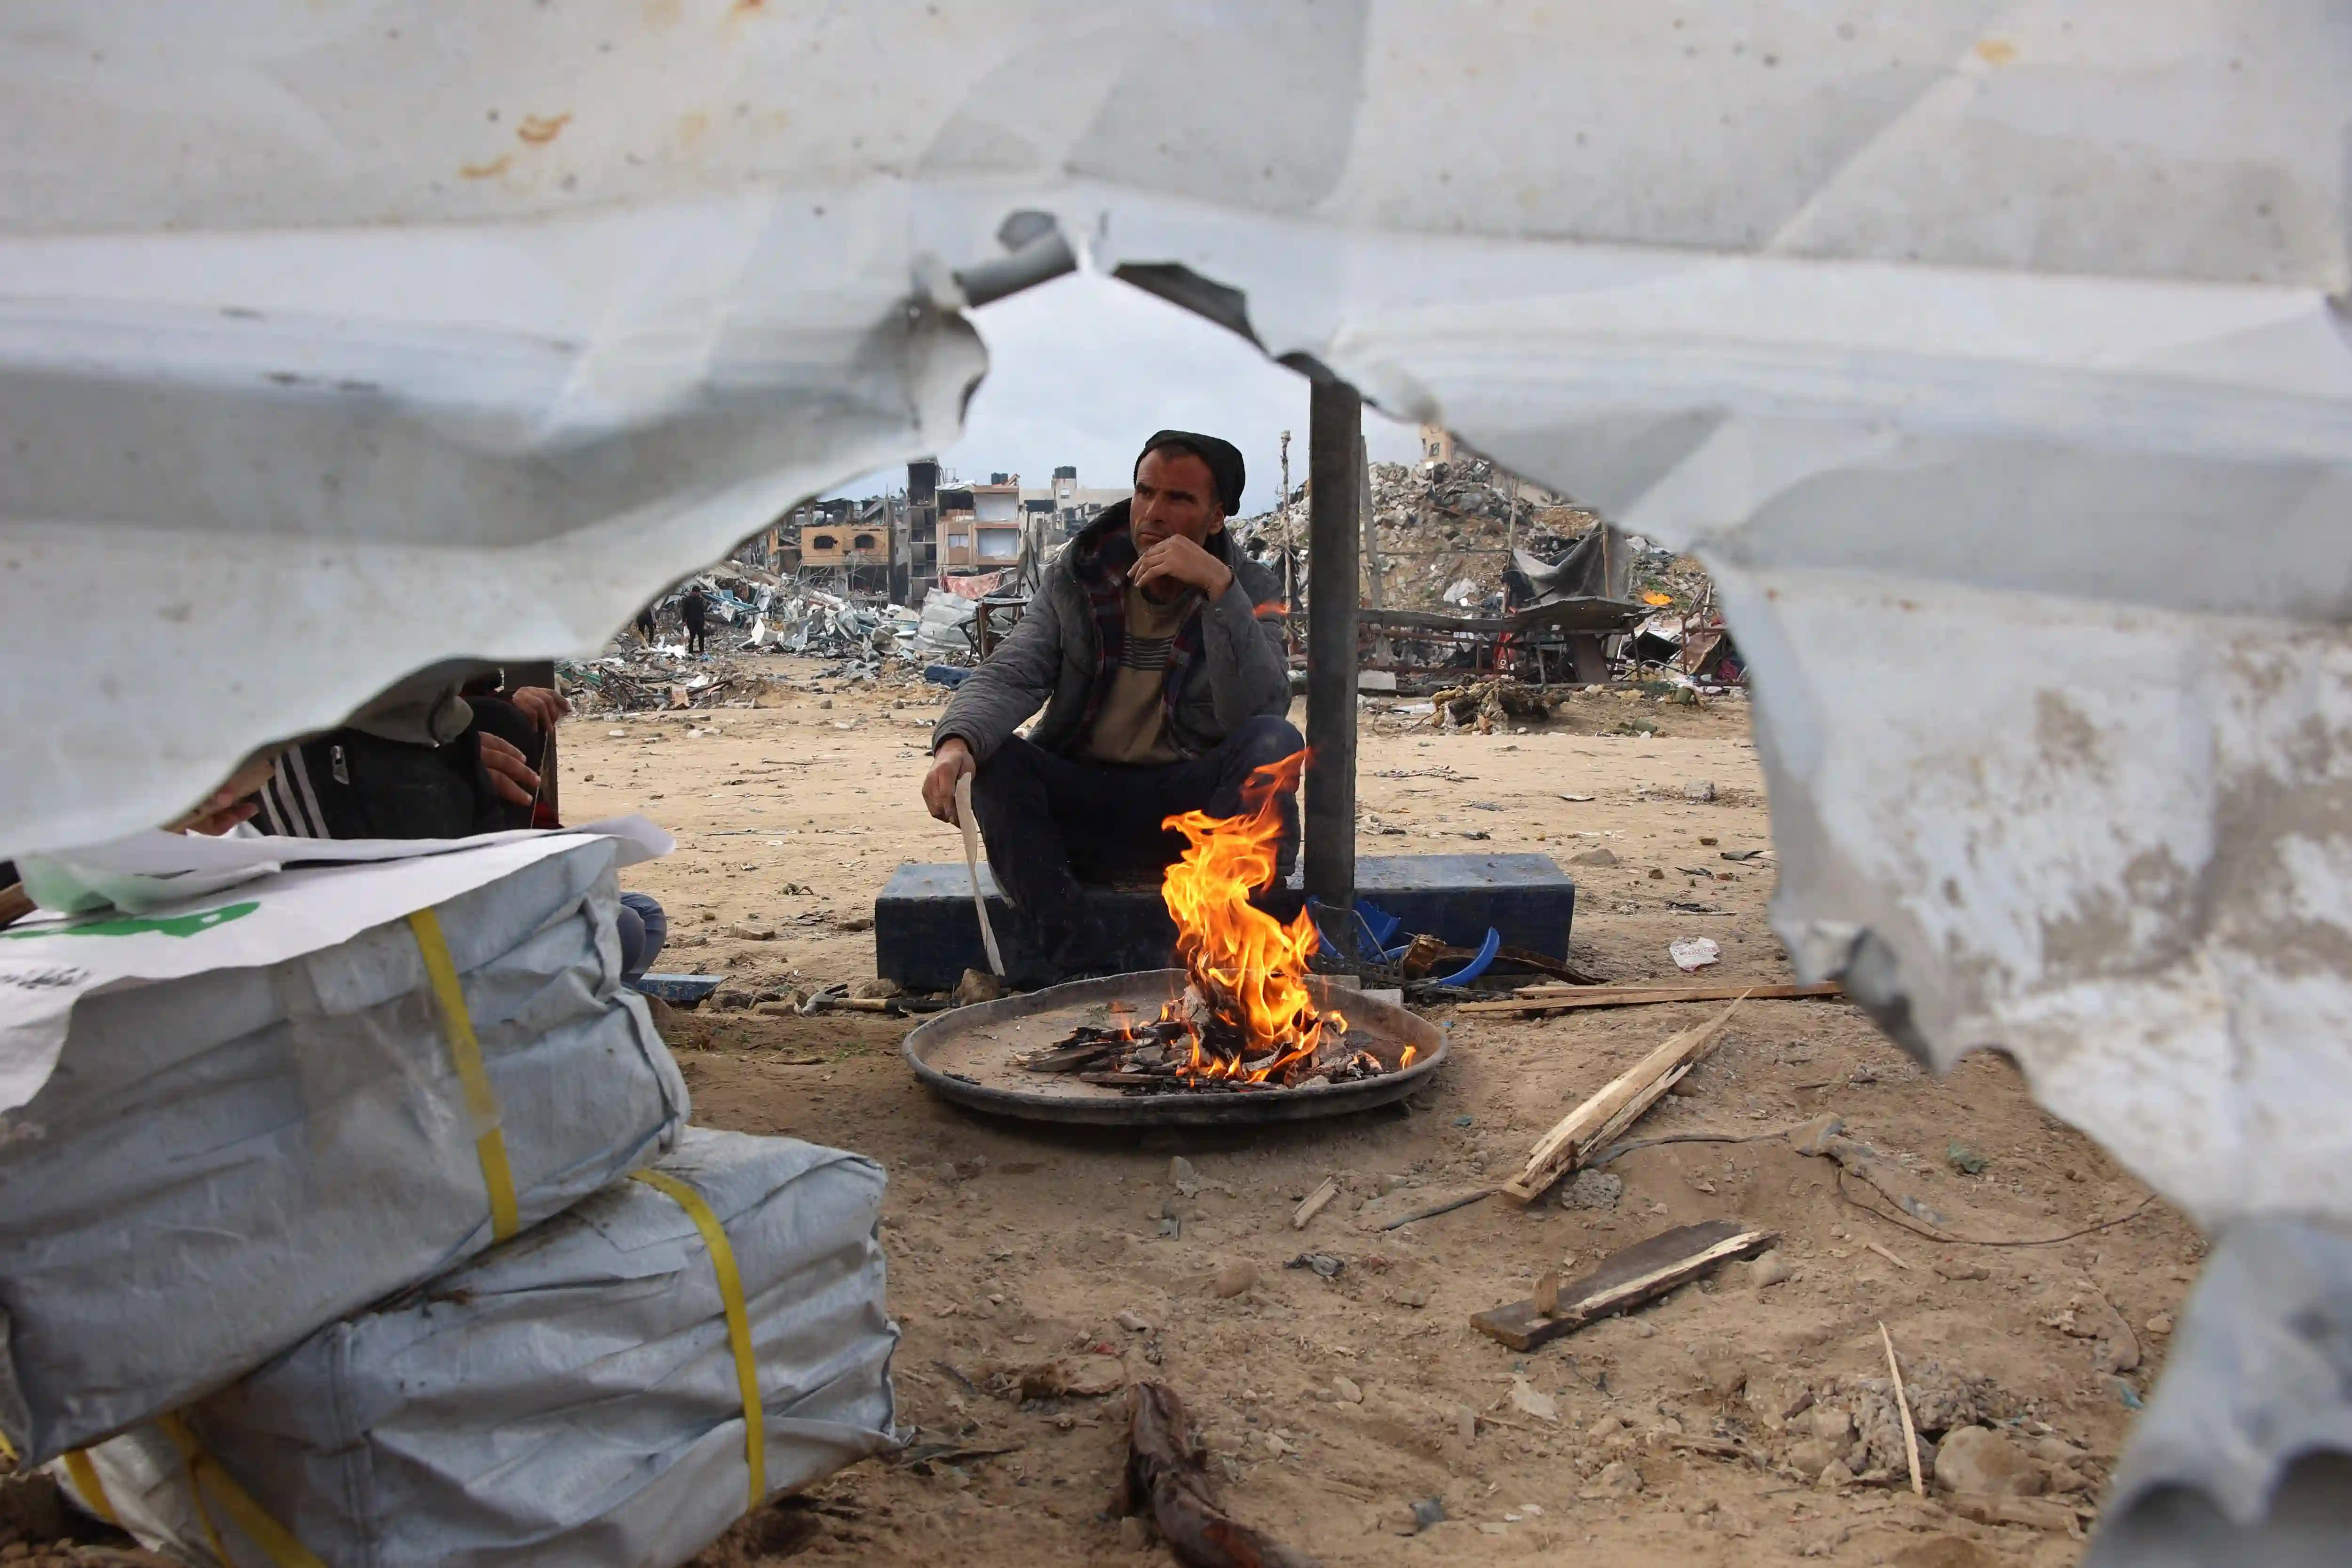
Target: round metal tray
987,1036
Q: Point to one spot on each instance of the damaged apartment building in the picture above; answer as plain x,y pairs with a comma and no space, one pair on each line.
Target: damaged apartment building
903,544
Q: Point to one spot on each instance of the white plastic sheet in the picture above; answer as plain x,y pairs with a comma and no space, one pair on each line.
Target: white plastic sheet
600,1423
224,1162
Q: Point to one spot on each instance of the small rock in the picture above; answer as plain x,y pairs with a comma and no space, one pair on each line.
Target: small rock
1607,1426
1833,1426
826,705
1770,1268
2055,1451
1221,1440
1835,1477
1658,875
877,989
1810,1456
1388,1183
1272,1445
2160,1324
978,986
1964,1160
1132,1535
1960,1268
1131,1323
1464,1121
1235,1278
1416,1297
976,1166
1592,1190
1347,1389
1465,1423
1643,1329
1617,1478
1698,789
1529,1400
1603,856
1979,1460
1183,1176
751,932
946,1171
1428,1511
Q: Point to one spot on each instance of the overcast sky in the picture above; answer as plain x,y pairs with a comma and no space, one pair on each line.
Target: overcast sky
1082,369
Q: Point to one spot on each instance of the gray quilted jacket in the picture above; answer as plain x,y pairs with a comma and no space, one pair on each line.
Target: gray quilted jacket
1240,672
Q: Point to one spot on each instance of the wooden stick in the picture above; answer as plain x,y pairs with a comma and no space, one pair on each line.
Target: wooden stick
1623,1281
971,826
1543,1001
14,905
1444,1205
1314,1203
1620,1102
1886,1254
1903,1405
1164,1473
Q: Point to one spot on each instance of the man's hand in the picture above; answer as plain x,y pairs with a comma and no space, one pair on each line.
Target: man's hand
512,779
1177,559
952,761
228,806
540,706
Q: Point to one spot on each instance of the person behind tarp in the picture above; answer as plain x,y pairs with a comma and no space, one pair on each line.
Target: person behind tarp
435,757
1163,689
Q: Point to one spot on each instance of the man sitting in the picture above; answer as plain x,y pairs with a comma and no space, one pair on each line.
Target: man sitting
1162,693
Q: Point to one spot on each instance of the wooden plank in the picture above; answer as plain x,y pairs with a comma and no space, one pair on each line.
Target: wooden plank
1542,1001
1642,1272
1604,1115
1314,1203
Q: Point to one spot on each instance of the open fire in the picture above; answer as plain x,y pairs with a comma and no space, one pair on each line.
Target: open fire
1246,1021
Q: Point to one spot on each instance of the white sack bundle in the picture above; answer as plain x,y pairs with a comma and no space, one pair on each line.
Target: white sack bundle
573,1396
223,1163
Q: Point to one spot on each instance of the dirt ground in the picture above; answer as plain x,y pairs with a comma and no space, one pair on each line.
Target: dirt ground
1331,1405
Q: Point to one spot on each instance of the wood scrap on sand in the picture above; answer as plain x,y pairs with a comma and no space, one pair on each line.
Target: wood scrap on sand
1620,1103
1165,1476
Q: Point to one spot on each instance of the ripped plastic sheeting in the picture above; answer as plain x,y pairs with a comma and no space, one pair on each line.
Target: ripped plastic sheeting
411,334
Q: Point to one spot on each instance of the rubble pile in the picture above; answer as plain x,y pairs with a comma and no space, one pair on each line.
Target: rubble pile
1445,533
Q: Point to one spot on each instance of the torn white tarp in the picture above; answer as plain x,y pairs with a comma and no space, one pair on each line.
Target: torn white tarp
222,1162
570,1397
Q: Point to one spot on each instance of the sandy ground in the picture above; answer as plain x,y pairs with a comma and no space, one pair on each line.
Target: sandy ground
1331,1405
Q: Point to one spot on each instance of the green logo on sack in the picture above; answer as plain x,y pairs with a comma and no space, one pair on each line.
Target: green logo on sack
140,925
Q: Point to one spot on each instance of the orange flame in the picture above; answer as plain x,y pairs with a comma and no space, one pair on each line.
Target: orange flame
1247,964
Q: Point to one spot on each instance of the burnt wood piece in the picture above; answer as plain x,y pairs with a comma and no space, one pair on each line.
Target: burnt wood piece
1071,1057
1625,1279
1164,1473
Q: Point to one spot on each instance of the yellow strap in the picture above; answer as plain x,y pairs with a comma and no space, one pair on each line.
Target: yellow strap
205,1471
7,1450
739,1322
92,1489
481,1100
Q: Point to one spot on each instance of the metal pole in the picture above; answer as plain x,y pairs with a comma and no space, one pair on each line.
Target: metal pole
1334,539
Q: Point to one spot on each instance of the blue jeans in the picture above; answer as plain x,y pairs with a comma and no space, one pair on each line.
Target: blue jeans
643,928
1051,822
